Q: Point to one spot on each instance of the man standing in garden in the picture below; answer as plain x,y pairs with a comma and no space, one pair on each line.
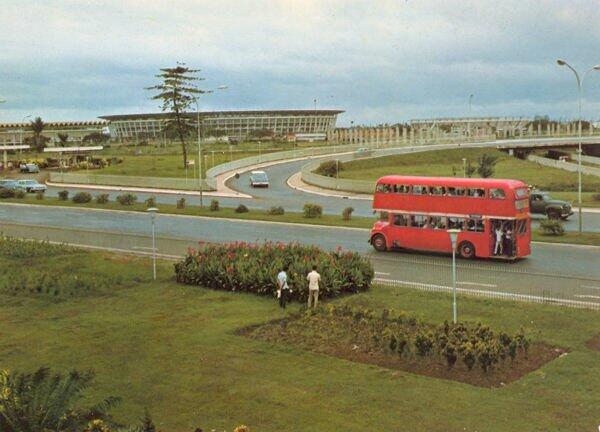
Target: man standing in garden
313,286
284,289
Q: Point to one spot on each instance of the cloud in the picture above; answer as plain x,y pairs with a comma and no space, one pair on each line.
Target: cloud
382,61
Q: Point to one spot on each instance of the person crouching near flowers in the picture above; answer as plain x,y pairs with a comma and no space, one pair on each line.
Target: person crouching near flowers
284,290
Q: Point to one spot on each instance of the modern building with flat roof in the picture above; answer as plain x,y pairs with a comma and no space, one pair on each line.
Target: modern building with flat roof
233,124
15,133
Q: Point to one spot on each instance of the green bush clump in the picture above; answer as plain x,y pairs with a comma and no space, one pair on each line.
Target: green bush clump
82,198
253,268
7,193
150,202
241,209
214,205
39,195
63,195
181,203
127,199
329,168
11,247
19,193
347,213
552,227
312,211
102,198
276,211
596,197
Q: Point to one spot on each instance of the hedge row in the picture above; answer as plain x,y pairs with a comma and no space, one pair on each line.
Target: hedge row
253,268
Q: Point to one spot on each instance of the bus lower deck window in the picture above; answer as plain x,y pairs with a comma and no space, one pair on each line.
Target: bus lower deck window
437,222
475,225
456,223
418,221
400,220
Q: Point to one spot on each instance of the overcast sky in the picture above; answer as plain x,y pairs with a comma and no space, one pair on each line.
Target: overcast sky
381,61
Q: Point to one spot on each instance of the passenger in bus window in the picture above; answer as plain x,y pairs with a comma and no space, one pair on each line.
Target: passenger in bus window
460,191
497,194
451,191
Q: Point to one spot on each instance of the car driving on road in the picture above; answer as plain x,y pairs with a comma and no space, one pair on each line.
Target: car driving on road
10,184
31,186
29,168
259,179
542,203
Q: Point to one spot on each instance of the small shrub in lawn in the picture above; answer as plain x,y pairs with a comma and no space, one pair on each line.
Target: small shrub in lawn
11,247
19,193
150,202
596,197
63,195
347,213
552,227
39,195
102,198
7,193
127,199
253,268
214,205
241,209
329,168
181,203
82,198
276,211
312,211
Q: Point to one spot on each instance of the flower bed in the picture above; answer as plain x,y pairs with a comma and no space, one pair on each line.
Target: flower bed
470,353
253,268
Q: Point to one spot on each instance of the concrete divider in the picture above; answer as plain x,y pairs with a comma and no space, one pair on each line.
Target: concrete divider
190,184
567,166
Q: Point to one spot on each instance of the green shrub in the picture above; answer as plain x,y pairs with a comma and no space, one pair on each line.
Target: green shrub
276,211
102,198
181,203
214,205
39,195
347,213
329,168
312,211
127,199
241,209
19,193
63,195
596,197
11,247
253,268
82,198
7,193
552,227
150,202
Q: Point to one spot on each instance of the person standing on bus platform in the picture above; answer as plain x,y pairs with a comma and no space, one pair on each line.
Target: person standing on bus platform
508,241
284,290
313,286
499,234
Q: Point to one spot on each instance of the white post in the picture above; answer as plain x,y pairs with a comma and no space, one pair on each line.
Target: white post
453,238
152,211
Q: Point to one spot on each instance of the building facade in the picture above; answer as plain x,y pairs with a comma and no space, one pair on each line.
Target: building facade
16,133
233,124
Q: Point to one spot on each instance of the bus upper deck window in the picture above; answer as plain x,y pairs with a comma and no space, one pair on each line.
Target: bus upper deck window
401,189
497,194
476,192
419,190
437,190
384,188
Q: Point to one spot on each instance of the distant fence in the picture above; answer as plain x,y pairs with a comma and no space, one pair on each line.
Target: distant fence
567,166
128,181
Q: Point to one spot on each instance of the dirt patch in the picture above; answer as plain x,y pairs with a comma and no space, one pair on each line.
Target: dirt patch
594,343
349,348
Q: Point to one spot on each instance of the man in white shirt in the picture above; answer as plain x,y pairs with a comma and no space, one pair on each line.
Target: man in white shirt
284,289
313,286
498,248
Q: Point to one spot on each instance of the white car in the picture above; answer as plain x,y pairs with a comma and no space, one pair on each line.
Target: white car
31,186
259,179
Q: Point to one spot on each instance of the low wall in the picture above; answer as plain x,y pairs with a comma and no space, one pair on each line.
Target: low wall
567,166
128,181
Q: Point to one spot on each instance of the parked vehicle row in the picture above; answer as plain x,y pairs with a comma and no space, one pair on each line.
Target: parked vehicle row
25,184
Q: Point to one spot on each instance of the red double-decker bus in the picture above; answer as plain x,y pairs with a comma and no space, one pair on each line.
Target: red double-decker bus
492,215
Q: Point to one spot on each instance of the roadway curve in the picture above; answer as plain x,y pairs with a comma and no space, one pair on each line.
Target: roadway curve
552,271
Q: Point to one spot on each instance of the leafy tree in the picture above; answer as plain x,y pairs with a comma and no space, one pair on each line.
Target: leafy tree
177,94
95,138
470,169
63,139
485,165
43,401
37,127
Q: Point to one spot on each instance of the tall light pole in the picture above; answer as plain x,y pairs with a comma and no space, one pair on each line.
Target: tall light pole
561,62
453,236
153,211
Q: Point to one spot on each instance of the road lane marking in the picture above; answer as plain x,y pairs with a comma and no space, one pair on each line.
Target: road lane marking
587,296
478,283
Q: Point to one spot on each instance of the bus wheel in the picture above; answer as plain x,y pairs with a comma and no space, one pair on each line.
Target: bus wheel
378,242
466,250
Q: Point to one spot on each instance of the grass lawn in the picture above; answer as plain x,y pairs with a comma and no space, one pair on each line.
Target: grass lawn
173,350
587,238
449,163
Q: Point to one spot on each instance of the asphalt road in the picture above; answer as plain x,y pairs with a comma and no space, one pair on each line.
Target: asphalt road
552,271
279,194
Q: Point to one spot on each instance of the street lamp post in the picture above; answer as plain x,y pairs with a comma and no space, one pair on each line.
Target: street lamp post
561,62
453,236
153,211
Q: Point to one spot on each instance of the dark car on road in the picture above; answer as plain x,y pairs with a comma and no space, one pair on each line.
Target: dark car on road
543,203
